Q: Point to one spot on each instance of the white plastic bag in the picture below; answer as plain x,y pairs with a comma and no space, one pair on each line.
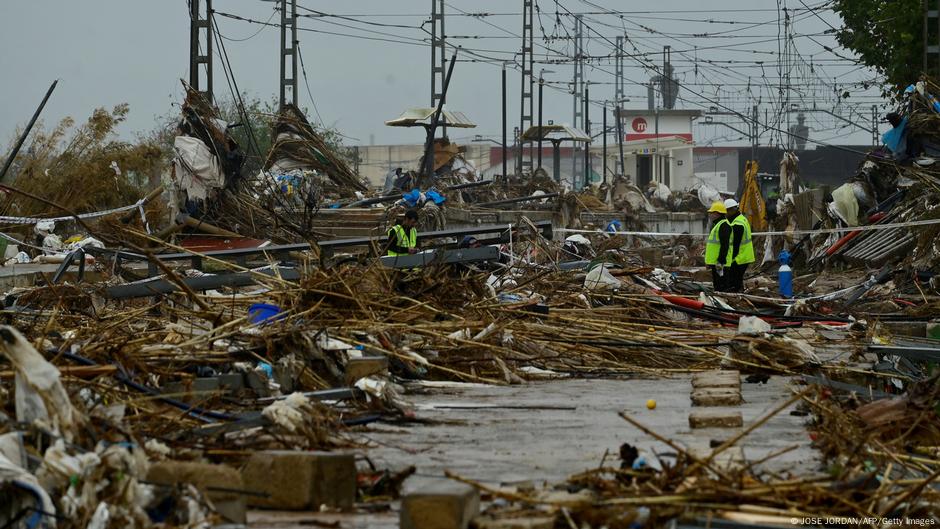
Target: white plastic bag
598,278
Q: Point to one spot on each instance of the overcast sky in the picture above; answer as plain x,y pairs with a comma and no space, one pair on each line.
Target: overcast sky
112,51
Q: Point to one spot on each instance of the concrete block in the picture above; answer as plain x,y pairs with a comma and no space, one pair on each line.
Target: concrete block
906,328
448,505
218,482
717,379
716,397
527,522
715,419
296,480
366,366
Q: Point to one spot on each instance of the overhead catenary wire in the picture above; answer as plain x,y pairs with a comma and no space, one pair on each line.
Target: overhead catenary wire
548,54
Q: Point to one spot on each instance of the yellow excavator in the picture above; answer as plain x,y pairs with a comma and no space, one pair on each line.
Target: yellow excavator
752,203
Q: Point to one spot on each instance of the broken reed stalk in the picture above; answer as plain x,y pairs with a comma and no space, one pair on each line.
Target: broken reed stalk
756,424
673,445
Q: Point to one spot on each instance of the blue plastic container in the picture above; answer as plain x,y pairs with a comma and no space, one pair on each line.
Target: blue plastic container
262,313
785,275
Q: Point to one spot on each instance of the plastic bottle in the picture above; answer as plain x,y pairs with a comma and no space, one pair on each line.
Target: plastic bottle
785,275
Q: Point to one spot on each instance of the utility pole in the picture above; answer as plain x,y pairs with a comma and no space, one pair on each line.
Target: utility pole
785,96
288,53
438,59
604,125
623,170
200,28
577,88
755,134
505,173
525,106
436,121
587,129
875,139
541,86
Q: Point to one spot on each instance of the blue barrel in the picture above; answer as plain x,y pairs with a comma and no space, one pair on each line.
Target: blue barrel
785,275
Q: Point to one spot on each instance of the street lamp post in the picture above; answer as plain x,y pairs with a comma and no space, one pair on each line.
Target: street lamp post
542,72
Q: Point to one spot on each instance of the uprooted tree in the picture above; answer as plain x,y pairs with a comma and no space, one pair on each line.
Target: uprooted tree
253,134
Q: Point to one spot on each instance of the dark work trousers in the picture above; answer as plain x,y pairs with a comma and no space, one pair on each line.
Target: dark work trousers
718,281
734,275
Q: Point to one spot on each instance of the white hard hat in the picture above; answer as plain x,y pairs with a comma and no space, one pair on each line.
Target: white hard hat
731,203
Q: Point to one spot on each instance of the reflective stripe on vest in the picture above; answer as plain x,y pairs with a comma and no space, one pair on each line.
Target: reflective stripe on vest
713,245
405,241
746,250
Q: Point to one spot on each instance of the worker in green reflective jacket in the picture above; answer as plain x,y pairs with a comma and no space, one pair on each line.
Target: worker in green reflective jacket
716,214
736,250
403,236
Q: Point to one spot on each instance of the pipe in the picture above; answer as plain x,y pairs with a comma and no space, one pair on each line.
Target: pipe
29,127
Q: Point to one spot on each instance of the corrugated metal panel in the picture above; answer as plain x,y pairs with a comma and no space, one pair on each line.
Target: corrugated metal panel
422,116
556,132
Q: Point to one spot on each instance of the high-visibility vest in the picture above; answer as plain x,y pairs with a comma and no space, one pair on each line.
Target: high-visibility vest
746,250
713,245
409,240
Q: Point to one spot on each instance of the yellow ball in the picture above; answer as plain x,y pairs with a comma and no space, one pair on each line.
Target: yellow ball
651,404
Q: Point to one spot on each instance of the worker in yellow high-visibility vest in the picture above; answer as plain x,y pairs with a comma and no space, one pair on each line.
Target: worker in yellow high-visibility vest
736,250
403,236
716,214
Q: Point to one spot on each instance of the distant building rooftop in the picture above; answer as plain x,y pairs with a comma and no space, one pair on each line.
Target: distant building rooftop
630,112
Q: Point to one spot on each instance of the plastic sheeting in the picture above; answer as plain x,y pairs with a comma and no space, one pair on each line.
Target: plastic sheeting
844,204
197,169
599,278
39,392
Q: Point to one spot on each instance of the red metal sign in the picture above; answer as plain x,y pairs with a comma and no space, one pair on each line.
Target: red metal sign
639,125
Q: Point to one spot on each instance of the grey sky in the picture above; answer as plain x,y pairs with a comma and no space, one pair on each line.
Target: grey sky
112,51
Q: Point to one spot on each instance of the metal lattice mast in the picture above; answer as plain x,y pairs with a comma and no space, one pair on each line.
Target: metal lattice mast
200,28
526,99
618,72
618,94
438,57
577,89
288,53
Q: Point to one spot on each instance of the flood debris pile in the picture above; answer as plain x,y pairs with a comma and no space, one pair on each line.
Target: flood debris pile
896,184
869,474
299,151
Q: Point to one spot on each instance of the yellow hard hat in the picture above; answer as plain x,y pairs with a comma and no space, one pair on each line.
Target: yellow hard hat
717,207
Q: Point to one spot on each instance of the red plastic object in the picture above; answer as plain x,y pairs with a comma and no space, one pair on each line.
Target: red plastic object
685,302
